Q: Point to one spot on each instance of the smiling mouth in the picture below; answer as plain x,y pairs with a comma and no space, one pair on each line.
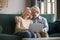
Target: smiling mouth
27,14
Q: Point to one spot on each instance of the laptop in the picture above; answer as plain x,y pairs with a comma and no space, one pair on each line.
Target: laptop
36,27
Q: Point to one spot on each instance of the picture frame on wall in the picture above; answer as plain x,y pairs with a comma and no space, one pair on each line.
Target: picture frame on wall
3,4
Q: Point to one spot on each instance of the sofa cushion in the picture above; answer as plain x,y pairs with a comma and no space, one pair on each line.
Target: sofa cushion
54,27
55,35
7,22
51,27
49,17
57,26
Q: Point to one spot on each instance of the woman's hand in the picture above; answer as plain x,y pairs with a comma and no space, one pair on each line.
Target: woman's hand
43,30
17,19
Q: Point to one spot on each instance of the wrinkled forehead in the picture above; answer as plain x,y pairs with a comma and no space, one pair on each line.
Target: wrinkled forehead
34,11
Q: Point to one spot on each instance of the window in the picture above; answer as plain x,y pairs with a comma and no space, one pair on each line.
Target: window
47,6
42,7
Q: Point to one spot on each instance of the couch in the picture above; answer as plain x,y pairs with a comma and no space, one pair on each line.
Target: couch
7,26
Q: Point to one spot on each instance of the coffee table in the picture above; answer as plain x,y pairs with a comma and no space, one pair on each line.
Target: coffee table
50,38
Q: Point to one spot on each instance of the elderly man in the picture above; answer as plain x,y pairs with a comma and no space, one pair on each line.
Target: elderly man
39,19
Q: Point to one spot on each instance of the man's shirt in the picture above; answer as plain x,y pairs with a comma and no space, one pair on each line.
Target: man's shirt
41,20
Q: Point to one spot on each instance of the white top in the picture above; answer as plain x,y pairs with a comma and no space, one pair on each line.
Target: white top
22,24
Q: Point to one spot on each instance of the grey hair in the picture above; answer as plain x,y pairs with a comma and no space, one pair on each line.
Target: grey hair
35,8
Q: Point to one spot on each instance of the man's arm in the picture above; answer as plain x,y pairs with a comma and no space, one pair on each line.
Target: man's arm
45,25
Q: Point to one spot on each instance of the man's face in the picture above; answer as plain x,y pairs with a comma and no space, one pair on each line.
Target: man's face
35,13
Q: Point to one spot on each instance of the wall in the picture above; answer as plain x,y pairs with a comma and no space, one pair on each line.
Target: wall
13,7
28,3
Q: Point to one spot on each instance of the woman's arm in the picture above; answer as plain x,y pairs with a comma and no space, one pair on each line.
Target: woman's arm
19,24
17,20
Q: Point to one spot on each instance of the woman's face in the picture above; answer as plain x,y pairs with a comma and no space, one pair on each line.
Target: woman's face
35,13
27,13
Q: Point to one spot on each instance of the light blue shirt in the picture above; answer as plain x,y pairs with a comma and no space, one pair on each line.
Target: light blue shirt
41,20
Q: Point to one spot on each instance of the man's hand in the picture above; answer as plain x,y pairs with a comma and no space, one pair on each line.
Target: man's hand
43,30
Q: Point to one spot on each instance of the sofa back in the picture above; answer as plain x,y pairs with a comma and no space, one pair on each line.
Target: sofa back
50,17
7,22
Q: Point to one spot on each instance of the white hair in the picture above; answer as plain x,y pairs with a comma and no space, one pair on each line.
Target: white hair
27,8
36,8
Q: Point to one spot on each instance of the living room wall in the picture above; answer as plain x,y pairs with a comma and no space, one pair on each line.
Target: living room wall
14,6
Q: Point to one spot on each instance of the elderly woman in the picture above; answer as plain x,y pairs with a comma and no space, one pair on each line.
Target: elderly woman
39,19
22,24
